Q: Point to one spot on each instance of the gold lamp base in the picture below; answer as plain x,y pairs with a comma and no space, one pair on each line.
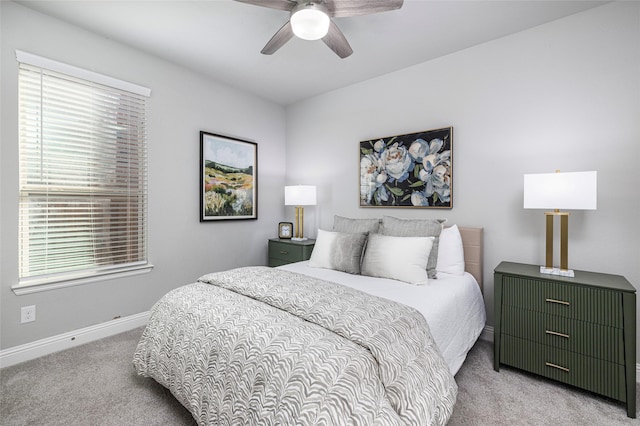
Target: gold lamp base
299,233
563,270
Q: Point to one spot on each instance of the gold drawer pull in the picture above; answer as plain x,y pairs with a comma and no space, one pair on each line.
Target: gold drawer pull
560,302
555,333
284,252
548,364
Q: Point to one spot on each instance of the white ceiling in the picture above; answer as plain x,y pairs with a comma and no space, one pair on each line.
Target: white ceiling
223,38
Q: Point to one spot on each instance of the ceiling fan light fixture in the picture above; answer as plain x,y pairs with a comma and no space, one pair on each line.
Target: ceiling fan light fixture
309,21
312,20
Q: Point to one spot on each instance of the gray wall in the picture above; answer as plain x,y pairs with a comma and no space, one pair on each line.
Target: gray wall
565,95
181,248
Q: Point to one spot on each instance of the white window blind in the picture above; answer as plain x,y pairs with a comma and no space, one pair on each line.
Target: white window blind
83,177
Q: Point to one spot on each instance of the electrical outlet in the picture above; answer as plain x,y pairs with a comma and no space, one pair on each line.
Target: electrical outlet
27,314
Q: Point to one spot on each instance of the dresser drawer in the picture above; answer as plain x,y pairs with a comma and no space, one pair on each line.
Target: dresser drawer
284,251
273,262
570,301
565,333
603,377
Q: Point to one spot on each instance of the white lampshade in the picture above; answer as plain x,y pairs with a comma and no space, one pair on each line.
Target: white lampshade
562,191
300,195
310,23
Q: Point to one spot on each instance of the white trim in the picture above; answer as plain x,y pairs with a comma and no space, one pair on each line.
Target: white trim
42,285
50,64
29,351
487,335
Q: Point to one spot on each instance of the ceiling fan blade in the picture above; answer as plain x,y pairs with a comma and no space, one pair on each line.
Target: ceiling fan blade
286,5
337,41
278,40
346,8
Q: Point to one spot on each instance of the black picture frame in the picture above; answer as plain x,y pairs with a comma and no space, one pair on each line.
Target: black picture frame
228,178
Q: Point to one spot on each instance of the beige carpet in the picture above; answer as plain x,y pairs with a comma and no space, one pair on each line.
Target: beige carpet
512,397
95,384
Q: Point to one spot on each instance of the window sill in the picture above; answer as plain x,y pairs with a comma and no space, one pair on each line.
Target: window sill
44,284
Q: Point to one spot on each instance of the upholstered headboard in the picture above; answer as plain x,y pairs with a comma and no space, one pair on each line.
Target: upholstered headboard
472,244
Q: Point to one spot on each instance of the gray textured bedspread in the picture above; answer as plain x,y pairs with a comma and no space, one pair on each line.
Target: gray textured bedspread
261,346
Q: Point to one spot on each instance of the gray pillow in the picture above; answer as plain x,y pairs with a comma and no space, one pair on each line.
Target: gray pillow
346,224
416,228
337,250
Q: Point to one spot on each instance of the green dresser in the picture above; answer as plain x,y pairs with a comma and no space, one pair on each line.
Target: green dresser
283,251
580,331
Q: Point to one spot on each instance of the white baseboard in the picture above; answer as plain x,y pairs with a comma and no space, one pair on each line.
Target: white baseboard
487,334
29,351
49,345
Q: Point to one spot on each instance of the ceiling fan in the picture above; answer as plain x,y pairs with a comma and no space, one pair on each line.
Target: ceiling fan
311,20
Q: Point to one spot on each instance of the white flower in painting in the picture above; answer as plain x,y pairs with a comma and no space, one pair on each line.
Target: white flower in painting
440,183
240,201
419,199
214,203
369,176
396,162
429,162
418,149
436,172
381,195
379,145
435,145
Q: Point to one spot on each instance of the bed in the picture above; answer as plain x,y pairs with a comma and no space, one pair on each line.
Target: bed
308,344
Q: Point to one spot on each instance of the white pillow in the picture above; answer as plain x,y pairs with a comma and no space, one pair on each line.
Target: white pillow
398,227
399,258
338,250
451,252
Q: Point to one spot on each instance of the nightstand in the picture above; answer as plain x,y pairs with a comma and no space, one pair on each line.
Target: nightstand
282,252
580,331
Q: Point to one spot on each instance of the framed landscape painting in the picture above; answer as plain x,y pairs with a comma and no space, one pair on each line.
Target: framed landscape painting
228,178
412,170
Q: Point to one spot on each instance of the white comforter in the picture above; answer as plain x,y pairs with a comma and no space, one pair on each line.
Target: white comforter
261,346
452,305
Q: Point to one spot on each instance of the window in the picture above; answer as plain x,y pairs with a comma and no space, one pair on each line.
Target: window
83,173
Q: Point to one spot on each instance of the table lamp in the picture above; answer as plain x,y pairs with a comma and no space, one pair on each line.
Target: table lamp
560,191
299,196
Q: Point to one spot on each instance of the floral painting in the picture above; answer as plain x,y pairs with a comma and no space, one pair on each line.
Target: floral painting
413,170
228,178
